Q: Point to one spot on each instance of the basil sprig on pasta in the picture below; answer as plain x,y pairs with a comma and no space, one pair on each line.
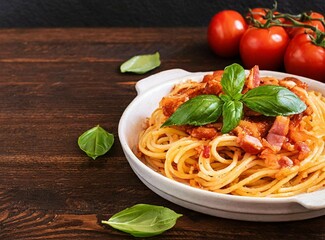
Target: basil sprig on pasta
268,100
197,111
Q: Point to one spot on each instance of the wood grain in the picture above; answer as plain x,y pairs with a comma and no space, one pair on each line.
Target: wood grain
57,83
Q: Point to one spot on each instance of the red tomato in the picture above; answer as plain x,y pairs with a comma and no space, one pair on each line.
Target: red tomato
293,31
264,47
304,58
259,14
224,33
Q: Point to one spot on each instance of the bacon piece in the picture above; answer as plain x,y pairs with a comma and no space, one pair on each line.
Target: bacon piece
278,132
253,80
285,162
276,140
249,143
303,149
280,126
203,132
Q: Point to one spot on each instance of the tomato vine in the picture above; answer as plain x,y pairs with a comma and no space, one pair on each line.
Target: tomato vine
273,40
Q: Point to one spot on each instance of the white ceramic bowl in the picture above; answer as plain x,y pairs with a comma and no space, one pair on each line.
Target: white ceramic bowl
150,91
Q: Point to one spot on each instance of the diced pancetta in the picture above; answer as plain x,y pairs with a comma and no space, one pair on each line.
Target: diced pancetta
249,143
303,149
253,80
278,132
285,162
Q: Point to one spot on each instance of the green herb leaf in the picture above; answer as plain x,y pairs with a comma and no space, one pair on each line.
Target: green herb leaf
233,80
268,100
225,97
141,64
95,142
144,220
197,111
273,101
232,112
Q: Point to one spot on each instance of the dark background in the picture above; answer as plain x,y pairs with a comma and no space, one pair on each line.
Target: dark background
132,13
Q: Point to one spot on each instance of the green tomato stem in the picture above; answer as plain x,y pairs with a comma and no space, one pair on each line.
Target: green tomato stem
272,19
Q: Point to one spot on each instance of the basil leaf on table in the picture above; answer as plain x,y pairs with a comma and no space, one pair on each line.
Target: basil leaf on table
141,63
273,101
232,112
144,220
197,111
233,80
96,142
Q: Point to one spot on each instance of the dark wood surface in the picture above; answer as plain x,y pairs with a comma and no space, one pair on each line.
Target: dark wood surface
57,83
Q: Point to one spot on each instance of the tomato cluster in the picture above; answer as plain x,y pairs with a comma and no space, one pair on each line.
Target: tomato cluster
272,40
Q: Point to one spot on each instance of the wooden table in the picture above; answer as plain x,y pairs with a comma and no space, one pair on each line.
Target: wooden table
57,83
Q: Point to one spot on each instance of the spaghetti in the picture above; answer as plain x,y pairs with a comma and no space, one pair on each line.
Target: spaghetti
231,163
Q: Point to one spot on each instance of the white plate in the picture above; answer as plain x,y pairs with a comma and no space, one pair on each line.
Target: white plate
150,91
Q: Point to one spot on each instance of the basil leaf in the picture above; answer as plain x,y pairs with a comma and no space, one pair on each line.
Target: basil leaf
273,101
141,63
232,113
95,141
143,220
225,97
197,111
233,80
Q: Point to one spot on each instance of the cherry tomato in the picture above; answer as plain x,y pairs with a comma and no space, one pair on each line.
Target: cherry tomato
304,58
293,31
224,32
259,14
264,47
